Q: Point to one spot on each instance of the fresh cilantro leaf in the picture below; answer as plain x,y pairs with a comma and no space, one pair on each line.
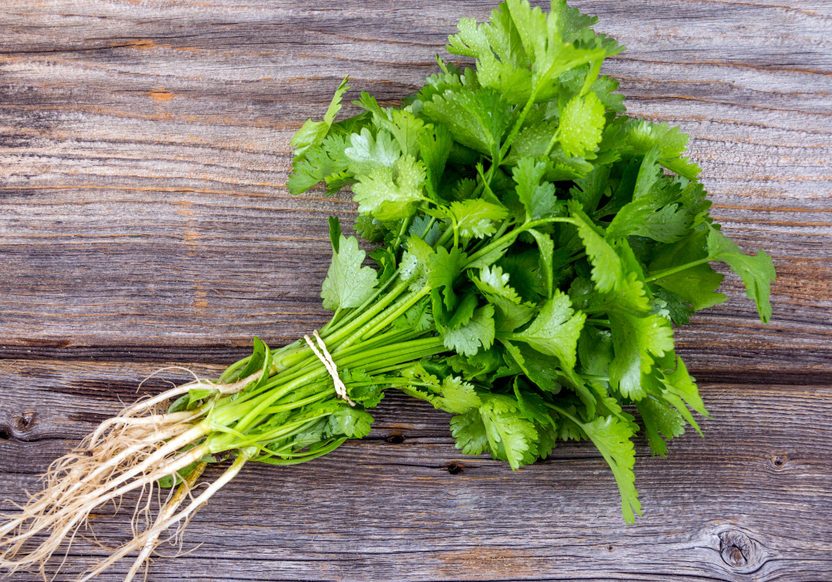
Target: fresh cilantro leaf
510,436
434,148
391,193
476,218
477,334
637,340
546,247
458,397
581,125
555,330
476,118
681,391
464,311
661,421
347,283
469,432
511,311
655,211
326,162
606,264
368,153
696,285
612,438
536,367
756,271
349,422
636,137
537,197
443,269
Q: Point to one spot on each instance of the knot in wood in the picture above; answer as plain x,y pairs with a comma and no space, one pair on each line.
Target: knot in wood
25,421
739,551
395,439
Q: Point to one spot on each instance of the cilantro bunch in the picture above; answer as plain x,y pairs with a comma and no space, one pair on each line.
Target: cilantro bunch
533,249
548,240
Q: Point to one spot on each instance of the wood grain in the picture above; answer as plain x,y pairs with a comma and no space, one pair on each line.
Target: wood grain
144,220
404,504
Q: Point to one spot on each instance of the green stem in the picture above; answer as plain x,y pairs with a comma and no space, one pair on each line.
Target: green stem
518,125
367,315
510,236
406,304
677,269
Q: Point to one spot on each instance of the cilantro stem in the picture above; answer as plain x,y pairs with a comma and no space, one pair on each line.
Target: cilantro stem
510,236
677,269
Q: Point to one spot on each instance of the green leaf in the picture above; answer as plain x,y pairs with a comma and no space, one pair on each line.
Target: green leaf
391,193
349,422
681,391
756,271
469,432
637,341
476,218
511,311
476,118
367,152
536,367
656,210
477,334
511,437
361,387
595,351
326,162
606,264
434,148
546,247
464,311
581,125
538,198
501,64
696,285
612,437
661,421
458,397
522,51
443,269
555,330
348,284
635,137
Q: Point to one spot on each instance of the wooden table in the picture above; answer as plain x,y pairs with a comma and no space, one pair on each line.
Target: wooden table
144,222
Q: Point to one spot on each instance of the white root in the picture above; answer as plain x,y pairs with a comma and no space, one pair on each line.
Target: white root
129,452
168,509
61,492
161,526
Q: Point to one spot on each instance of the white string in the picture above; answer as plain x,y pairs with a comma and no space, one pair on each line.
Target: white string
326,359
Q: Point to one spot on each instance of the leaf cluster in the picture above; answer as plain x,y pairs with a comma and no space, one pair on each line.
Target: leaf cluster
550,240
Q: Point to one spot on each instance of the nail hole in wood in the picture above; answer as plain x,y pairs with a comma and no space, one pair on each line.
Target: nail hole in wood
395,439
779,460
455,468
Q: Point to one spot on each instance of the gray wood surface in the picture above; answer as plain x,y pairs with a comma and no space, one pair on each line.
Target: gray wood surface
144,222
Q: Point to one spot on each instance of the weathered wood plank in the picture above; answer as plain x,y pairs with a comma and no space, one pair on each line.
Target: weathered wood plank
143,217
145,148
405,504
